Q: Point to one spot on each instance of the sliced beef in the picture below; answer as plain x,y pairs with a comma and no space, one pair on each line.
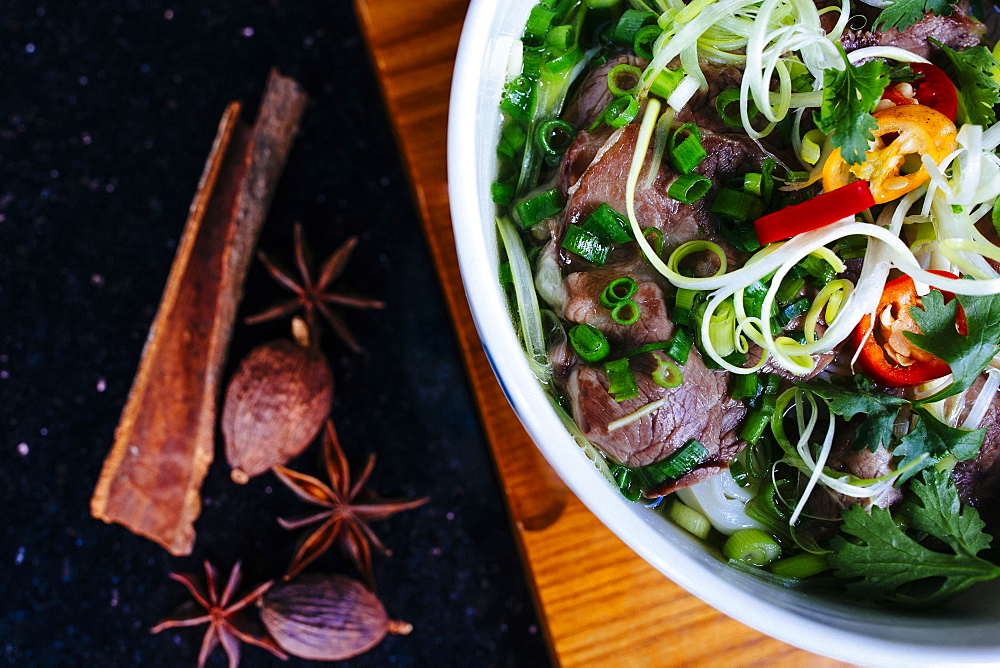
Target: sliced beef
697,409
593,96
604,181
958,31
583,290
978,479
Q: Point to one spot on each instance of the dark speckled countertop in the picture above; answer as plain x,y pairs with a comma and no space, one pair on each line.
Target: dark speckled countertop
107,113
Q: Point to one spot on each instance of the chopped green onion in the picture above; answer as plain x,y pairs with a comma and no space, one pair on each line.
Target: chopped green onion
626,312
644,39
799,566
737,205
502,193
680,462
629,24
555,136
620,112
505,274
602,4
518,96
618,290
627,483
684,301
680,346
560,38
789,289
621,380
752,183
751,546
754,425
811,146
722,103
796,177
689,188
534,210
608,224
739,473
855,246
758,458
666,82
586,245
624,79
818,268
512,141
722,330
589,342
565,62
690,520
654,237
538,23
666,374
744,386
687,153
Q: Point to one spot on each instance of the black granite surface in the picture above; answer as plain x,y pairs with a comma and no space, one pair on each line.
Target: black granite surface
107,112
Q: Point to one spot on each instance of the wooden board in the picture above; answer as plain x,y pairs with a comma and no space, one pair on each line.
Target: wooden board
599,603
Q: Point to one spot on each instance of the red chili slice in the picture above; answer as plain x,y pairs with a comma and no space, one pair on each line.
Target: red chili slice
886,354
814,213
933,89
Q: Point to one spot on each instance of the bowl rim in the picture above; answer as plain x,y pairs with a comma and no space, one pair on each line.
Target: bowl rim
730,595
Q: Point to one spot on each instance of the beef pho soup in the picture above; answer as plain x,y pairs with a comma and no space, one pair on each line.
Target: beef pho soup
751,253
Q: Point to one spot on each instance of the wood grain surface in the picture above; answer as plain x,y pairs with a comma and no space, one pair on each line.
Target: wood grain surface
599,603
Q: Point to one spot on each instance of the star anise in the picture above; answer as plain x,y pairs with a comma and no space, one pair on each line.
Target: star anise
346,510
226,622
314,295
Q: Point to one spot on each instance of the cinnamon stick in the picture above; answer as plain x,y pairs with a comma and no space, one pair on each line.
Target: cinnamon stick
164,442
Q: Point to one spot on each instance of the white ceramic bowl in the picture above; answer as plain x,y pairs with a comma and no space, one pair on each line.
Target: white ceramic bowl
967,632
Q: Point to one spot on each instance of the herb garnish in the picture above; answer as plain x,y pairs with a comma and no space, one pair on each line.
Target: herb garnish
901,14
892,566
849,97
967,355
978,91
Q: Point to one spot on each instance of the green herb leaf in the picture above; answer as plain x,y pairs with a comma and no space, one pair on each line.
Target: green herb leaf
978,91
901,14
849,97
888,565
967,355
937,440
856,396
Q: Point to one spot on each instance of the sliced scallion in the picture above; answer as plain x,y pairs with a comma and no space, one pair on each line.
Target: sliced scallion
722,103
589,342
618,290
685,149
629,24
751,546
689,188
586,245
654,237
799,566
627,483
621,380
555,136
737,205
680,346
626,312
666,82
643,41
620,112
743,386
666,374
690,519
502,193
680,462
535,209
608,224
624,79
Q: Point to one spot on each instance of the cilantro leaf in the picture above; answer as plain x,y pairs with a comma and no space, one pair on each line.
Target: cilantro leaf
967,355
888,565
932,437
849,97
901,14
973,76
848,399
941,514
